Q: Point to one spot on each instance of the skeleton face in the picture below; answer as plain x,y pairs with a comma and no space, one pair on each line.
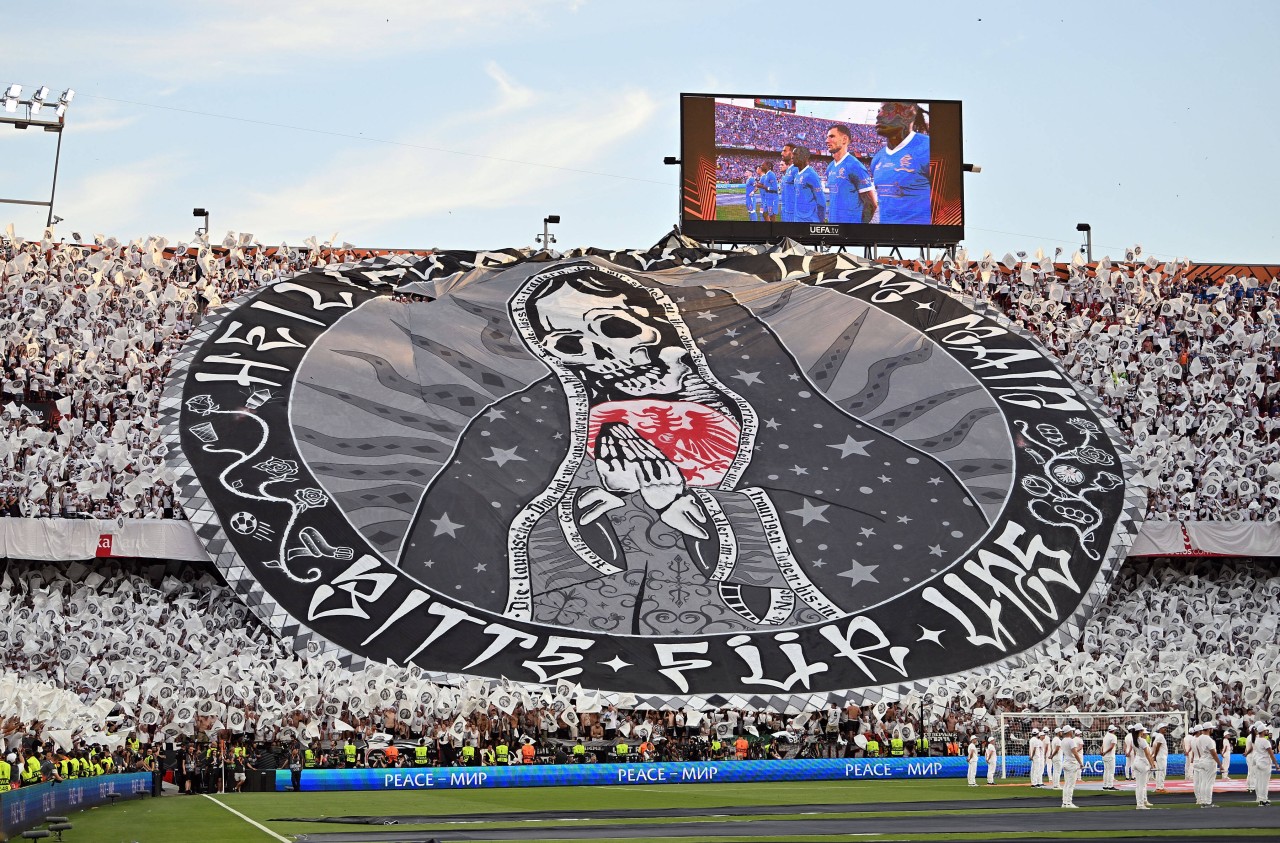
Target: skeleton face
611,342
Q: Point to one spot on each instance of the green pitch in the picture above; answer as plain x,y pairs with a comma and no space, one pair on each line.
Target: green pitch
202,819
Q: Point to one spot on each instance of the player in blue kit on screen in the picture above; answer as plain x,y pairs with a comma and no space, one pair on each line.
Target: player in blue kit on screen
852,195
788,185
811,205
767,182
900,170
753,200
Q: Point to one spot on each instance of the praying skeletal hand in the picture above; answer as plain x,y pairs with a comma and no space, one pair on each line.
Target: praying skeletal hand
627,463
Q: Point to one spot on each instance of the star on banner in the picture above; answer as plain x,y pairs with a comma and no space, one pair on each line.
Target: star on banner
444,525
772,424
809,512
859,573
502,456
935,550
495,414
747,378
798,470
927,634
852,446
616,663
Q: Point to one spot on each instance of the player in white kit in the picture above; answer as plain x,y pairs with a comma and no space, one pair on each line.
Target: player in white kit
1055,759
1109,759
973,761
1160,749
1142,760
1035,748
1264,761
1205,766
1187,752
990,757
1072,755
1130,751
1228,737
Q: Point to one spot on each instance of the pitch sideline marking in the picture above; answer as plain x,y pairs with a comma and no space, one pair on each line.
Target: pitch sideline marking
251,822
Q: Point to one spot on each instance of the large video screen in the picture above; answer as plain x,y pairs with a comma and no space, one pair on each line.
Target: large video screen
821,170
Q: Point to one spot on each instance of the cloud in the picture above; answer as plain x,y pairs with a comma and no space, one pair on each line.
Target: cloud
116,199
250,37
364,189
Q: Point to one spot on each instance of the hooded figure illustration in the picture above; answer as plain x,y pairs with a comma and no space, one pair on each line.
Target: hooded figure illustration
655,499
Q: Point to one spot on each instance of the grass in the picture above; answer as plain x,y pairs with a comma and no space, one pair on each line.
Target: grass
198,819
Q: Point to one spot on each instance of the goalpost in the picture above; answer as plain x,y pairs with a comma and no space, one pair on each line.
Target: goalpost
1015,732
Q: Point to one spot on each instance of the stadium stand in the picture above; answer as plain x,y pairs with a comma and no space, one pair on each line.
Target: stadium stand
1186,357
1188,364
178,654
743,128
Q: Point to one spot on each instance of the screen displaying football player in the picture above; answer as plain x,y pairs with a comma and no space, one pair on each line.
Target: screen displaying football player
900,170
767,184
811,203
852,196
788,184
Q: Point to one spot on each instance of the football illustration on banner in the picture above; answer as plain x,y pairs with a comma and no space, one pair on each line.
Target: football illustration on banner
769,473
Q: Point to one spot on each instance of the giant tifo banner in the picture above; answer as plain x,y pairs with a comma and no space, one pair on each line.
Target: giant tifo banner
672,474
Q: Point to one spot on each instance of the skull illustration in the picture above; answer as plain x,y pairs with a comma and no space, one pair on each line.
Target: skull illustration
610,333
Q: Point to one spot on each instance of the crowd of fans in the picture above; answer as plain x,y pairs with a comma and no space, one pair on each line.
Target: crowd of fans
94,653
1187,367
733,167
750,128
87,334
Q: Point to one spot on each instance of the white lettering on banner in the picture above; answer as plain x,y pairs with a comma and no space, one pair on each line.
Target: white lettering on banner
450,617
856,770
467,779
243,378
698,774
674,669
794,652
969,333
502,636
890,291
361,572
649,775
317,299
926,768
553,656
255,337
408,780
379,278
1001,575
858,655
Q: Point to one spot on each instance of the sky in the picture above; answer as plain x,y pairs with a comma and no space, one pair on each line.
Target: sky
437,123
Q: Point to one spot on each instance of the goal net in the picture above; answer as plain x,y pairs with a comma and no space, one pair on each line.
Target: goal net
1016,729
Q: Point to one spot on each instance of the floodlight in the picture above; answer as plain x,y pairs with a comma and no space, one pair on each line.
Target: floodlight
67,96
38,97
973,168
11,97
